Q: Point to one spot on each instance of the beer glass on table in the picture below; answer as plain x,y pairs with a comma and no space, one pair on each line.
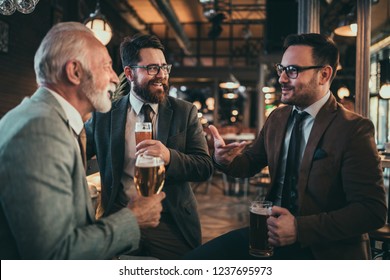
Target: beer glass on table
258,231
143,131
149,174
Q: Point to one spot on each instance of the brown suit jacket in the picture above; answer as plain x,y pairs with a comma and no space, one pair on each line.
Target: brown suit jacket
340,187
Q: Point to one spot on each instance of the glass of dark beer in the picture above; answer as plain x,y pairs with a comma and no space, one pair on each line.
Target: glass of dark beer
149,175
143,131
259,211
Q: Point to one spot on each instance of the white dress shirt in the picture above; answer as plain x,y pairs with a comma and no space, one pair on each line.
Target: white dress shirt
307,125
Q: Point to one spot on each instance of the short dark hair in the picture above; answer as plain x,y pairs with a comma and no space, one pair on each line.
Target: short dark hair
131,46
325,51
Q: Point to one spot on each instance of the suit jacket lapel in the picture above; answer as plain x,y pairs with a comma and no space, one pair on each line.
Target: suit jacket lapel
117,144
118,124
324,117
280,121
164,121
43,95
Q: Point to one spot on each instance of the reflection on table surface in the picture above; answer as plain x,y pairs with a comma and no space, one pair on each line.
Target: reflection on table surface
238,137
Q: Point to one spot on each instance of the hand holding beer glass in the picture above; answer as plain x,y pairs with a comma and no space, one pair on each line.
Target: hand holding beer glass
149,175
143,131
258,231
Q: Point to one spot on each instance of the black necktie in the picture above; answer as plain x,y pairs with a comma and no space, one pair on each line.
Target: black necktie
82,139
290,194
147,113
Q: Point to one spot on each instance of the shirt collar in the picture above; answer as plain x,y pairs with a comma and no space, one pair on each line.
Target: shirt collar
137,103
74,117
314,108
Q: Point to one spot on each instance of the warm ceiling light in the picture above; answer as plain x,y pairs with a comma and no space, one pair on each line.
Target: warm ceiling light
197,104
343,92
268,89
98,23
347,30
230,95
269,96
230,83
210,103
348,26
384,92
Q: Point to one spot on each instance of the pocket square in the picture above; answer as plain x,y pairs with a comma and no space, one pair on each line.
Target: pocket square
319,154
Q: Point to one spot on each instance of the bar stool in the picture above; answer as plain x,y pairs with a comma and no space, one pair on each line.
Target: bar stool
235,186
261,182
261,189
382,235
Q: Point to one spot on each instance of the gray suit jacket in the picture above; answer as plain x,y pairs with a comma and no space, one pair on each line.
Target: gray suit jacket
180,131
46,210
340,185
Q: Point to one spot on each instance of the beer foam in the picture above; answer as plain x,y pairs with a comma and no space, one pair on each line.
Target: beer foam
148,161
143,127
260,210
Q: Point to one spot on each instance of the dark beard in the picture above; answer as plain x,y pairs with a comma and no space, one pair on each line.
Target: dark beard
150,97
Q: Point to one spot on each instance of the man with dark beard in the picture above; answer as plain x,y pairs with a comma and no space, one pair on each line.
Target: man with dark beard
177,138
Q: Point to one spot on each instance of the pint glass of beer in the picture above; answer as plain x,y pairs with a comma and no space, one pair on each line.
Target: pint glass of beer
259,211
149,175
143,131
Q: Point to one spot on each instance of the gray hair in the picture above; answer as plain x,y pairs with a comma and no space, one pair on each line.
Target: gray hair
63,42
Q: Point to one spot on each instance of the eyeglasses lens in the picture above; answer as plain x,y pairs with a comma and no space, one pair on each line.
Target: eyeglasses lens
291,71
155,69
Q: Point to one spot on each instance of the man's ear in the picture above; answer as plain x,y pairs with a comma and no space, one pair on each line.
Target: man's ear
128,73
74,71
325,74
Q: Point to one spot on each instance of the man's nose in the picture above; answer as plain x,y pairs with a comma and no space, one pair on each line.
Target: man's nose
283,77
162,74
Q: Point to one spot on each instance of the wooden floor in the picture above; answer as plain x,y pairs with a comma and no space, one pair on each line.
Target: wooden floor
221,211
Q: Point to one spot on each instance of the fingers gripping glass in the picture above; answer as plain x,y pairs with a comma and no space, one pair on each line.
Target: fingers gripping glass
292,71
154,69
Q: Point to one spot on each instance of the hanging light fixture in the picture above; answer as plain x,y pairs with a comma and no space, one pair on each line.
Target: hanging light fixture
98,23
8,7
347,27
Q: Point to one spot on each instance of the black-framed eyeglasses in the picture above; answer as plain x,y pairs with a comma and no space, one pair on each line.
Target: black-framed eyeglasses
154,69
292,71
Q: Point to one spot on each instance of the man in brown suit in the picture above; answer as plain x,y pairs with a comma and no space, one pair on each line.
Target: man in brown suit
339,194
